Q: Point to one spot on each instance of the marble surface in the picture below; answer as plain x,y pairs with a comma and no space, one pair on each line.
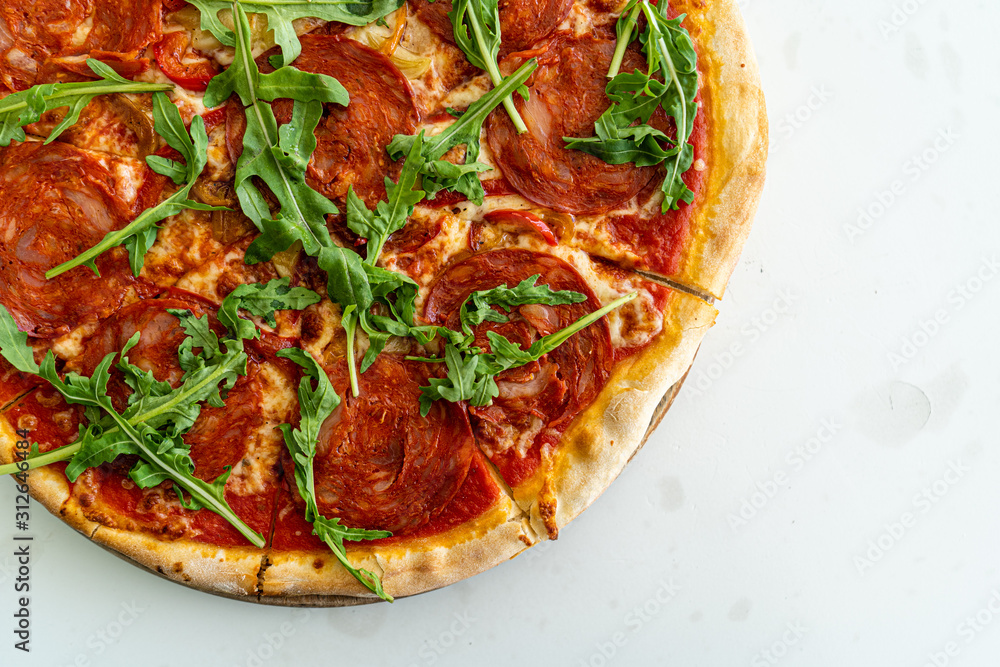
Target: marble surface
823,492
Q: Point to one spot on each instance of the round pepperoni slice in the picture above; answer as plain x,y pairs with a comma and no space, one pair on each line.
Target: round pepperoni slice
523,23
351,141
379,464
55,202
567,97
537,401
38,35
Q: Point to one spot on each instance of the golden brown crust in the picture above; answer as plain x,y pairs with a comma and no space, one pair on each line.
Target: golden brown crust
230,571
738,134
408,567
602,439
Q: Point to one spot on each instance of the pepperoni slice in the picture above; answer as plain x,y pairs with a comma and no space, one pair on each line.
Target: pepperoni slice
379,464
523,23
233,436
538,401
351,141
55,202
35,36
567,97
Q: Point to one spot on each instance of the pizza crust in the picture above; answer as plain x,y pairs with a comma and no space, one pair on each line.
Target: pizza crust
738,130
408,567
604,437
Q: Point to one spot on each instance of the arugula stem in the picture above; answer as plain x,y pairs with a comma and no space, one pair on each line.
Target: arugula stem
63,453
248,67
556,339
198,489
350,323
86,88
440,143
111,240
66,452
494,72
624,40
682,122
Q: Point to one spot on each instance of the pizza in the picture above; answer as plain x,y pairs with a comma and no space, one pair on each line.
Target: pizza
306,303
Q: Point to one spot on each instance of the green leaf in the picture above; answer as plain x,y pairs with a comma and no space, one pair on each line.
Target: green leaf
466,380
477,32
14,344
347,283
97,447
28,106
526,292
281,13
472,372
622,133
391,215
279,159
464,131
152,425
140,234
316,404
263,300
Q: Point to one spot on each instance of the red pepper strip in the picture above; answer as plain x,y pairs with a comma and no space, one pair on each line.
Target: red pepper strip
169,52
523,218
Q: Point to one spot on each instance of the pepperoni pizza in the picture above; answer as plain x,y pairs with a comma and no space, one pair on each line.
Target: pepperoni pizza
437,481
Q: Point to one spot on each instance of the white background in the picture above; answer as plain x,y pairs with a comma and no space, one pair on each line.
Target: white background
726,542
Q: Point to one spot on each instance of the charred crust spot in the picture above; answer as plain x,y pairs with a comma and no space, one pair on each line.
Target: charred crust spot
318,563
178,567
547,510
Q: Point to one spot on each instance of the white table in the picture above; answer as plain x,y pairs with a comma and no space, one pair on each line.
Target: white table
827,494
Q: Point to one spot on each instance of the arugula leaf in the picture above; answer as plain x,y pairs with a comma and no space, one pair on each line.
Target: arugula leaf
28,106
389,216
277,158
622,133
14,344
140,234
281,13
152,425
264,300
440,174
526,292
315,405
472,372
482,18
467,381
